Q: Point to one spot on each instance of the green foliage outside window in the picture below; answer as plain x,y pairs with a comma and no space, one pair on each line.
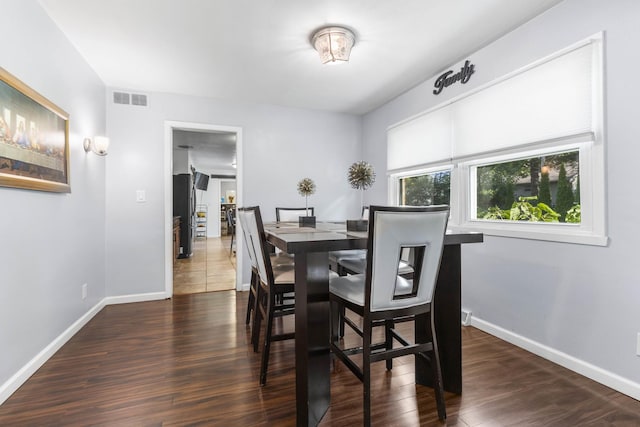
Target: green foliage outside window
424,190
564,200
533,189
544,191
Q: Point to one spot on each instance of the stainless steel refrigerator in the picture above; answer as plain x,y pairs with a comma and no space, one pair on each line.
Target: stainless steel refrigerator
184,206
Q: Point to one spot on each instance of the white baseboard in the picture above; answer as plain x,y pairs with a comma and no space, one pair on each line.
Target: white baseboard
586,369
244,287
124,299
20,377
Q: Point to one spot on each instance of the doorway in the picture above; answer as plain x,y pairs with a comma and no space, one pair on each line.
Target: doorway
210,263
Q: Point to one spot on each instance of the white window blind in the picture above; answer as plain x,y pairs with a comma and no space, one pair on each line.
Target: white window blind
425,139
550,100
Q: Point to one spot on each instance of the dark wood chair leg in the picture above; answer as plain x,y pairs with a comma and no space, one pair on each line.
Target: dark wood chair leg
268,329
257,318
342,312
366,375
251,303
336,318
388,341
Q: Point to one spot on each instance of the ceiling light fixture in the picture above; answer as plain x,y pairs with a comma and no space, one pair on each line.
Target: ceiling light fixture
333,44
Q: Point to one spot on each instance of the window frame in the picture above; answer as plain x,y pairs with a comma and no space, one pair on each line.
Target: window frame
589,231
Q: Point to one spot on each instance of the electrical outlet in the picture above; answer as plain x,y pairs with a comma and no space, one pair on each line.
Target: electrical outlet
84,291
141,196
638,345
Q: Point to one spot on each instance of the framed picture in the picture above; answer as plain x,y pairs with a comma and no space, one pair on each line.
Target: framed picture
34,139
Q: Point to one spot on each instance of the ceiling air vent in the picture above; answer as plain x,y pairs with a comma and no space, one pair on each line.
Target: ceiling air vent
138,99
120,98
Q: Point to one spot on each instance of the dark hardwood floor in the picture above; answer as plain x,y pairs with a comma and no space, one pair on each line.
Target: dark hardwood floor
187,361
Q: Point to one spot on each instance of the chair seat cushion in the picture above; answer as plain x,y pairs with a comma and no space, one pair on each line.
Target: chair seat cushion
286,273
351,288
359,266
281,258
339,256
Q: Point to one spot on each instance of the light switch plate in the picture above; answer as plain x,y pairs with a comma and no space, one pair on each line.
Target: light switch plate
141,196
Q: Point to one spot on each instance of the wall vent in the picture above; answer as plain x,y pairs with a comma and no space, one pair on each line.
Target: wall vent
138,99
120,98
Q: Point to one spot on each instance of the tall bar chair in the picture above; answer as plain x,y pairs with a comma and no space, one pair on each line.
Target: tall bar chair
281,263
292,214
271,285
381,296
231,226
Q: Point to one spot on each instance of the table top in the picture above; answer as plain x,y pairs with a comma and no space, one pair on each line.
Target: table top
333,236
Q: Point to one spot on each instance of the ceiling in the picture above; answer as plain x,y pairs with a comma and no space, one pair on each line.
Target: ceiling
258,51
211,152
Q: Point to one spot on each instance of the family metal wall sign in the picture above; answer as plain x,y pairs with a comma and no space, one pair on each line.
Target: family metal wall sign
448,78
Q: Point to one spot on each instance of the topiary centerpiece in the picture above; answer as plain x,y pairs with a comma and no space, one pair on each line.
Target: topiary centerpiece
361,177
307,187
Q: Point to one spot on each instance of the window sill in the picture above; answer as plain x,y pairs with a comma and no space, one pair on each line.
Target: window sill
561,233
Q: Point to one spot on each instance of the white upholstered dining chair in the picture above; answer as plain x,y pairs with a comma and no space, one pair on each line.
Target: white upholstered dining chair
270,282
292,214
380,296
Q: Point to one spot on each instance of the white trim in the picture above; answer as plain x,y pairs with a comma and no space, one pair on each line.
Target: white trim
583,368
245,287
125,299
168,209
169,126
533,231
24,373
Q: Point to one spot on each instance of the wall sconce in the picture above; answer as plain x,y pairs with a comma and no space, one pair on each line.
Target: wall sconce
333,44
99,145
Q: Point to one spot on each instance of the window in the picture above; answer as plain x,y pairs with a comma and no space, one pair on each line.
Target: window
542,188
430,188
524,153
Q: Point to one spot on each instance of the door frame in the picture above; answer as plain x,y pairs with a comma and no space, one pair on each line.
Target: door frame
169,126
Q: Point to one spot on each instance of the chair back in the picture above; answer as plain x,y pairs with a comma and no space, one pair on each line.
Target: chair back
251,222
292,214
247,241
392,231
365,212
231,220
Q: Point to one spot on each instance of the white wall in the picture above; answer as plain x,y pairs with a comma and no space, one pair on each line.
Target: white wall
575,304
280,147
50,243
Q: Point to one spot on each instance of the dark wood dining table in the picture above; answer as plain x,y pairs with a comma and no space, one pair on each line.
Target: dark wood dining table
310,248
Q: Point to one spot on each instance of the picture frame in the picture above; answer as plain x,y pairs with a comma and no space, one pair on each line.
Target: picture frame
34,139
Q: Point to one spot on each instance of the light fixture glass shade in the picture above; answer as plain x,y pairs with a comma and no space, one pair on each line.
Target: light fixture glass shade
333,44
99,145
